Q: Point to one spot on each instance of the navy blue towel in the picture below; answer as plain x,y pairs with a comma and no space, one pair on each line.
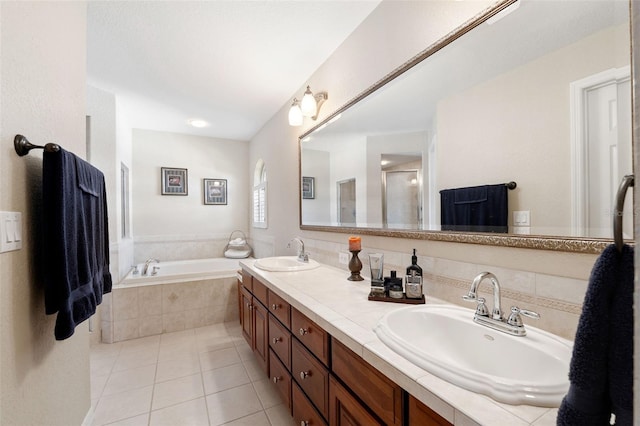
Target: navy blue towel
601,371
76,239
475,209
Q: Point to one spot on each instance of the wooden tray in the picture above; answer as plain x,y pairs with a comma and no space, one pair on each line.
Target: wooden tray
404,299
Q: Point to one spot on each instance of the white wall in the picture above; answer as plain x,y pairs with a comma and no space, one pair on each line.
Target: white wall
166,218
42,95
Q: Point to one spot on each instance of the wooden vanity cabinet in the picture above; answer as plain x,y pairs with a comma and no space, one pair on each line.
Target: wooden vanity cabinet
345,409
304,413
254,318
377,392
421,415
321,381
281,378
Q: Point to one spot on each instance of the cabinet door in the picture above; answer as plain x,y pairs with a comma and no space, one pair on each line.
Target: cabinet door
304,412
421,415
261,334
311,375
378,392
246,309
240,302
281,379
345,410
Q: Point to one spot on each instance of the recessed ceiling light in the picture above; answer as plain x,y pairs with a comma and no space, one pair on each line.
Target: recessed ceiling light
198,123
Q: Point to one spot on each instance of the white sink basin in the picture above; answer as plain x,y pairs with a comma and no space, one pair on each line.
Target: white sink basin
445,341
285,264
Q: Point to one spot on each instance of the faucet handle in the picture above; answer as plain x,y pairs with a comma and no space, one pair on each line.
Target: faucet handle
516,320
481,309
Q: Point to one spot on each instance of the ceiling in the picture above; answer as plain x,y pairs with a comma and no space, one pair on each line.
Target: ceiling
231,63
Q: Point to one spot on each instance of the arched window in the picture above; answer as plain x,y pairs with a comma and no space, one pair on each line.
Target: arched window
260,195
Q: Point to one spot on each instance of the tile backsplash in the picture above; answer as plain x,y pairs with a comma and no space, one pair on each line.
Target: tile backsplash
557,299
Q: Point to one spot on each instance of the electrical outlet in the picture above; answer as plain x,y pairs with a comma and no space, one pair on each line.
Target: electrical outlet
343,258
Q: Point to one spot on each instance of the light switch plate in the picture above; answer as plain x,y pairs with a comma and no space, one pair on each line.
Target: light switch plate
343,258
522,218
10,231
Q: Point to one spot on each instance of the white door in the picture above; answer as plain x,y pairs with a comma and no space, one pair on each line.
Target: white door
608,155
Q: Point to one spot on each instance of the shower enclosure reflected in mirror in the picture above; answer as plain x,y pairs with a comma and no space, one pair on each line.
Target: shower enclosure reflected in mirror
541,97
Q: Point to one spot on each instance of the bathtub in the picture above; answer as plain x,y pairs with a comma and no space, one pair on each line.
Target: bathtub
182,295
182,271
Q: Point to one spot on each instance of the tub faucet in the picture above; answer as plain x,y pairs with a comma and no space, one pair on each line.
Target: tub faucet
145,268
302,256
512,325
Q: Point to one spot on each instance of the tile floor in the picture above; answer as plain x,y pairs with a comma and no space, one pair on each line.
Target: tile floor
204,376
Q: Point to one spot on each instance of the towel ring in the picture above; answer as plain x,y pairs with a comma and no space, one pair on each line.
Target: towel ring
627,181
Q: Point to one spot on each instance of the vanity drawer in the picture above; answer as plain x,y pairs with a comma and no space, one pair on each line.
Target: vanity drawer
311,375
312,336
280,341
281,379
376,391
303,411
260,291
280,309
247,280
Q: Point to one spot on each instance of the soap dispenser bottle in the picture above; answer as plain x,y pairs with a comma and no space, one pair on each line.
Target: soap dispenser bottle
413,279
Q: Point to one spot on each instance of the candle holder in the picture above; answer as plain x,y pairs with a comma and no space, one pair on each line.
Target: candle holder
355,266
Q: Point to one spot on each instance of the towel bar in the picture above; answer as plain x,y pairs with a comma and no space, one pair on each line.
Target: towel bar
23,146
627,181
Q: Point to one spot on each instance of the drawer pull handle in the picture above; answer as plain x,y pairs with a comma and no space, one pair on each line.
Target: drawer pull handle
303,331
276,340
304,423
276,379
275,306
305,374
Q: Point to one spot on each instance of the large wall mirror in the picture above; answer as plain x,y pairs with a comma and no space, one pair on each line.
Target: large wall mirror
532,92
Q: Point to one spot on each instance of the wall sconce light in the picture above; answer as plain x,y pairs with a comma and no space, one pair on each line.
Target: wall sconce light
309,106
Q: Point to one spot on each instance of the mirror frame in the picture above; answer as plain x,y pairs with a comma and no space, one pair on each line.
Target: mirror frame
536,242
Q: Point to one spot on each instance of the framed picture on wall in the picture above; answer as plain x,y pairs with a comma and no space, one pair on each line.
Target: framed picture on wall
174,181
215,191
308,187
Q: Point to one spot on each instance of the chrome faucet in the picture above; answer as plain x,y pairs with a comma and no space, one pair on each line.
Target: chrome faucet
302,256
145,268
512,325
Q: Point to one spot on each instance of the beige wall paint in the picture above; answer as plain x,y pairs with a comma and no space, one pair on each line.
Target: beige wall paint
157,215
43,77
364,58
523,134
391,35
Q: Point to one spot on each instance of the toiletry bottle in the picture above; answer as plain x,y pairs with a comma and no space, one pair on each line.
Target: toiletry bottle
413,279
395,286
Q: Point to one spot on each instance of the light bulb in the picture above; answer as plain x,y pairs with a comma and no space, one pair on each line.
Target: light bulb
295,114
308,104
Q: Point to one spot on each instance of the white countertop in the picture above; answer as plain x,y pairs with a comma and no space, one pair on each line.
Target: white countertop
341,307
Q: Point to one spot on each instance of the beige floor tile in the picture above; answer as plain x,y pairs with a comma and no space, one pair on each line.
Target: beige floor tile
97,385
224,378
175,391
177,350
267,393
102,366
258,419
141,420
220,358
142,343
134,378
123,405
255,372
232,404
280,416
214,343
129,360
190,413
178,367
